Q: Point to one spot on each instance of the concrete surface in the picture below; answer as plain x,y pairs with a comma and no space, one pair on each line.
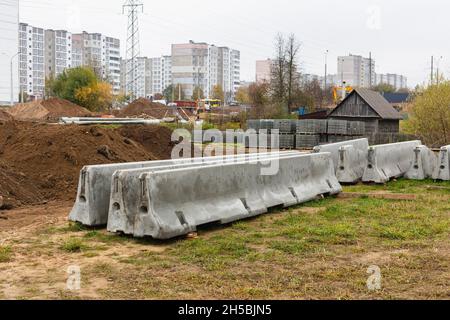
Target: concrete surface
390,161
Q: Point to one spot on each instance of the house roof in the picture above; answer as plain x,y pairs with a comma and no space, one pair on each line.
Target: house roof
396,97
376,101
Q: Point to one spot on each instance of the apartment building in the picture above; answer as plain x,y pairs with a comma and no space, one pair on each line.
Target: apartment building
32,60
9,26
396,80
58,52
198,64
154,75
264,70
356,71
100,52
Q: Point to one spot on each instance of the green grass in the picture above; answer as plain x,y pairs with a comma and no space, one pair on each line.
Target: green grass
74,245
320,249
5,254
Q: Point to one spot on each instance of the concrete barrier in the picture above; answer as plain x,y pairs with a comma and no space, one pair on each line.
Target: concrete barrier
125,195
176,202
359,145
94,187
352,163
442,170
389,161
424,164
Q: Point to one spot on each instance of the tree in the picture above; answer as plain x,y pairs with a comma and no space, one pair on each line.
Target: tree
197,94
66,84
278,81
217,93
384,88
430,115
97,97
178,93
242,95
258,94
169,94
292,49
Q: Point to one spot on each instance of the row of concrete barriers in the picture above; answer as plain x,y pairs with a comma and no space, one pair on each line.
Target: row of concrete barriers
355,161
166,199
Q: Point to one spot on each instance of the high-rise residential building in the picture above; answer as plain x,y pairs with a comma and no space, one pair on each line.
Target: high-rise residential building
356,71
32,60
396,80
100,52
9,26
264,70
58,52
235,68
155,75
205,66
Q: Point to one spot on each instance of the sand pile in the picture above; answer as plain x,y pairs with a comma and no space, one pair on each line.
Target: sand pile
48,110
5,116
42,162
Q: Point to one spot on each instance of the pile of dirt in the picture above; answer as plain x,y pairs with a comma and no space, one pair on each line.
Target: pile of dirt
42,162
5,116
144,108
152,138
48,110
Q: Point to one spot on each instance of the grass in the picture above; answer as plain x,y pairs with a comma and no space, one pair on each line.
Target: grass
74,245
318,250
5,254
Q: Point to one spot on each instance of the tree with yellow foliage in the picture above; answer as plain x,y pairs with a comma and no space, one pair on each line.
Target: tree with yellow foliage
96,97
430,115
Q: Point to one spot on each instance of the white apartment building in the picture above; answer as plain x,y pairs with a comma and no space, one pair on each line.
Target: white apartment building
154,75
32,60
356,71
203,65
100,52
396,80
58,52
9,42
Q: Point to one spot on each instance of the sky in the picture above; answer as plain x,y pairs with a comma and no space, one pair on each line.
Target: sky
401,34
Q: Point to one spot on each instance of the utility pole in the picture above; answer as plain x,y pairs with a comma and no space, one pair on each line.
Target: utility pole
370,70
326,70
432,69
132,49
12,78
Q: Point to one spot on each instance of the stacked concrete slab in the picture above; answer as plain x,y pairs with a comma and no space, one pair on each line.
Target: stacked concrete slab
174,202
442,169
389,161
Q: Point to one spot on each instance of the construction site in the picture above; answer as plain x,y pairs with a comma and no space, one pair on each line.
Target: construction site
271,218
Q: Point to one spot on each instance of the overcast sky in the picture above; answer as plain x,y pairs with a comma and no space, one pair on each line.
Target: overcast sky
402,34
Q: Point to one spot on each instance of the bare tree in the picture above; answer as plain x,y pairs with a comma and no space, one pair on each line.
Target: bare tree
278,82
292,50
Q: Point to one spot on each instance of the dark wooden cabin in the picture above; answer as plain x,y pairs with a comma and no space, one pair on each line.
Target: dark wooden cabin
370,107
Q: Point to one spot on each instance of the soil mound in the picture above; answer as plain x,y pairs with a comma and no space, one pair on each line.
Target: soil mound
45,160
144,108
5,116
48,110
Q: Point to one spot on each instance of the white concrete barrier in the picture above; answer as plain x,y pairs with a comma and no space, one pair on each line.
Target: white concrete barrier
442,170
389,161
352,163
424,164
360,146
125,195
94,187
176,202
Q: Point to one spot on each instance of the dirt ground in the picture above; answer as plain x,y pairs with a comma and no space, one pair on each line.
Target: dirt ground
321,250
